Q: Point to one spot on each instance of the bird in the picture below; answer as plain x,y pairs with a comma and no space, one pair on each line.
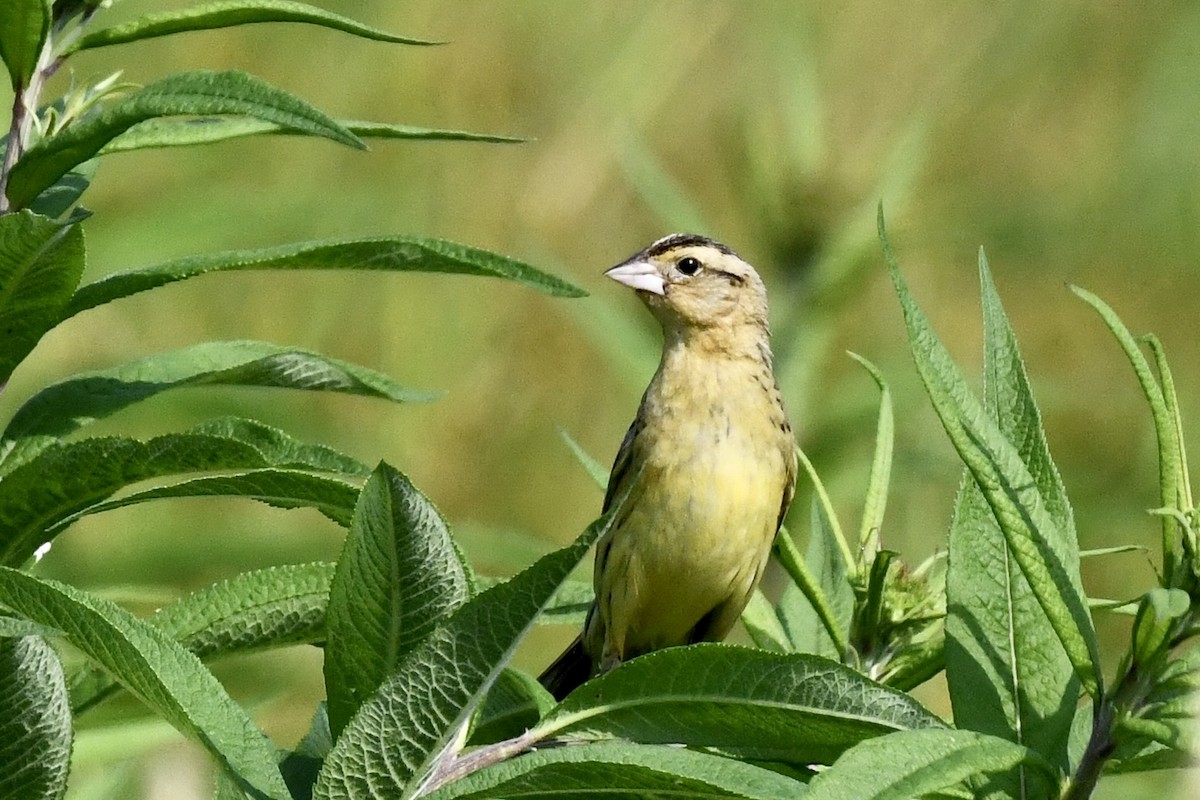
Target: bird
705,474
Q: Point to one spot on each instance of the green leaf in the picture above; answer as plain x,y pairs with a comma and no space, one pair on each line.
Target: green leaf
280,488
816,610
787,707
1030,530
183,94
228,14
41,496
66,191
252,611
35,721
188,132
26,26
591,466
398,578
1156,623
614,771
918,764
999,642
881,462
169,680
82,399
413,722
764,626
40,266
391,254
514,704
1173,490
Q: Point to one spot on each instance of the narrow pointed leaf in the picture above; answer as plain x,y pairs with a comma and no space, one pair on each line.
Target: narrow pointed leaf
764,627
280,488
591,466
1171,470
1029,528
187,132
35,721
253,611
400,733
183,94
390,254
614,771
788,707
26,25
228,14
881,462
919,764
399,577
999,642
65,479
163,675
82,399
40,265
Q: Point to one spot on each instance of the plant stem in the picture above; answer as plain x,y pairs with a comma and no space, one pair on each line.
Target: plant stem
1099,749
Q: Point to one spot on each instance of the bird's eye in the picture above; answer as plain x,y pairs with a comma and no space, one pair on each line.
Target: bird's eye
688,266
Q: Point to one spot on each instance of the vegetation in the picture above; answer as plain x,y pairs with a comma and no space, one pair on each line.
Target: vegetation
422,696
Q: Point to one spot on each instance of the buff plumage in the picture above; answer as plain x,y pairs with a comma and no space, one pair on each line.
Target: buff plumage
705,473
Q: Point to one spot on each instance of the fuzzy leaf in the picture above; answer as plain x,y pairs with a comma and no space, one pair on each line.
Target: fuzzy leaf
620,771
40,265
999,642
35,721
1029,527
918,763
391,254
399,577
228,14
787,707
183,94
168,679
400,733
187,132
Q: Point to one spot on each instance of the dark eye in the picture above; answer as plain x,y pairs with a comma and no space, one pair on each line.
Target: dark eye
688,266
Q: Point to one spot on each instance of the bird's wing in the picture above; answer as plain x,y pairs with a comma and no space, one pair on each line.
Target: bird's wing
620,470
792,465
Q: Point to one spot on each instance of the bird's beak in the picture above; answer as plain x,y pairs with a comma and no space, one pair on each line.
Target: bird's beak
640,275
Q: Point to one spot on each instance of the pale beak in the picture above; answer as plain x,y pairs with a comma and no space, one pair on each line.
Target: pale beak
640,275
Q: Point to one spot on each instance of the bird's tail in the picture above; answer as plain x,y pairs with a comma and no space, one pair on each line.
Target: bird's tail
568,671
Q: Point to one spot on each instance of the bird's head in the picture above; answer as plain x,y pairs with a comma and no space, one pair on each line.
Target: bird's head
690,282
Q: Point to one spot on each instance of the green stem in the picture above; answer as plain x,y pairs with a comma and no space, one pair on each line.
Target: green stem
793,563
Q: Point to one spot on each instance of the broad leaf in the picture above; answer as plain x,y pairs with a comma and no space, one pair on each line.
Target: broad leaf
40,265
22,34
399,577
919,764
182,94
228,14
1029,527
258,610
82,399
787,707
169,680
187,132
35,721
38,498
412,724
999,643
391,254
614,771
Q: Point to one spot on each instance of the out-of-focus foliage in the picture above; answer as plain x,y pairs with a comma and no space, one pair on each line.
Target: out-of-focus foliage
1064,138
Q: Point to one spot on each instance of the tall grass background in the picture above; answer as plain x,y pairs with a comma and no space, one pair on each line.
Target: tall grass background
1064,138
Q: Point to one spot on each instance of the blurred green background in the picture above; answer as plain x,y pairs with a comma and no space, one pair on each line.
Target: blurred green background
1064,138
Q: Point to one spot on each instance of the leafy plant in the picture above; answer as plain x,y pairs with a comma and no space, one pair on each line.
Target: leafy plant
422,701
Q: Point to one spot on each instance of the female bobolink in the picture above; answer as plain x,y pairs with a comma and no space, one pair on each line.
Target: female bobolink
713,458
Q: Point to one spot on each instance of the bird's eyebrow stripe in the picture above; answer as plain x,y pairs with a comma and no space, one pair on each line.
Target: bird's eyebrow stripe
675,240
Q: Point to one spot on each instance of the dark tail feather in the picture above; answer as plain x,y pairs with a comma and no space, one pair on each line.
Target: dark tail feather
568,671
